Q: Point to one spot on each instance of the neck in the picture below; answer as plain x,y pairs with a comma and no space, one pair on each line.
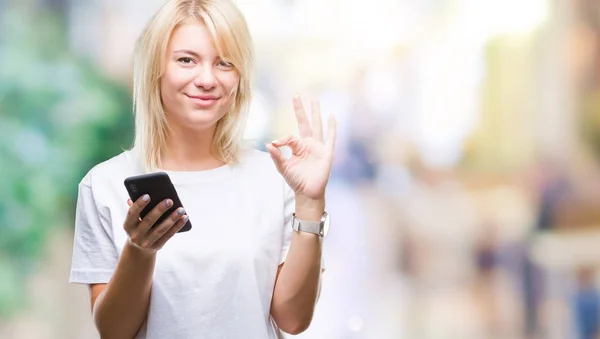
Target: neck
188,150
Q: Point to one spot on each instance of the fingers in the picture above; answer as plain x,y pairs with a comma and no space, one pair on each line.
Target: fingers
289,140
171,232
277,156
133,214
142,233
303,124
331,134
317,124
150,219
161,229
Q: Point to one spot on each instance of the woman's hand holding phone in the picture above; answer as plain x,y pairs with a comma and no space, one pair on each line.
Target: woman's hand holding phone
146,236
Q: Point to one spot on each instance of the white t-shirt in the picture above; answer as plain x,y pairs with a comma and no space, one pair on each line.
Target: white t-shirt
215,281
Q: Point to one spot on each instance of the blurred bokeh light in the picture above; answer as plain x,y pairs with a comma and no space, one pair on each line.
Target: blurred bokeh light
466,185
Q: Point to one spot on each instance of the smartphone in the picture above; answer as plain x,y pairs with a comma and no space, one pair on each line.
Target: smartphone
159,187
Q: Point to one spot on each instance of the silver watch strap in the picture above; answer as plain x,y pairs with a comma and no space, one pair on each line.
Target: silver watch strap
313,227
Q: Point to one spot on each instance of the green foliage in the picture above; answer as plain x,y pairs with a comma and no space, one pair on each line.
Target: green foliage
59,116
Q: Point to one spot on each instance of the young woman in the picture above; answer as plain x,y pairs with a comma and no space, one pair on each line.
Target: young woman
252,262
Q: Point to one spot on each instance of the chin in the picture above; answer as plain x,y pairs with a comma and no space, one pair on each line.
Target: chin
203,121
201,125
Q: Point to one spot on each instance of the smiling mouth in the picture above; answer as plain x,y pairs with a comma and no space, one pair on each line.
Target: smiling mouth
203,100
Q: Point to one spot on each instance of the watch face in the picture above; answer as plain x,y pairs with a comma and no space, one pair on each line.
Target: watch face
326,225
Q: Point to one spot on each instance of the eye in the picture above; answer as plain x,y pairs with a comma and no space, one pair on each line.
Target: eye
185,60
224,64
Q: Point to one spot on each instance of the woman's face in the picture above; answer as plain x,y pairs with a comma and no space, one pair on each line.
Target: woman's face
197,87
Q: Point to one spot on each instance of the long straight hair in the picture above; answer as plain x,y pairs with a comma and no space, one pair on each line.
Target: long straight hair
233,43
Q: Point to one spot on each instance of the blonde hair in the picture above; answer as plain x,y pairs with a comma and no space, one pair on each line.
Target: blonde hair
233,43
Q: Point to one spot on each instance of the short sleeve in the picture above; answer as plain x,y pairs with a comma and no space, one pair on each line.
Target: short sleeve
95,255
289,205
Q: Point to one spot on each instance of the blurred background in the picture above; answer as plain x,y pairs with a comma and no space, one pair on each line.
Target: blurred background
466,188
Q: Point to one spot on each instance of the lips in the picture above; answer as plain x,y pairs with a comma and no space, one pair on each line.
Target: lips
203,100
203,97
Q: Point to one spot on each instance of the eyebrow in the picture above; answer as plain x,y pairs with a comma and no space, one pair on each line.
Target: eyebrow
187,51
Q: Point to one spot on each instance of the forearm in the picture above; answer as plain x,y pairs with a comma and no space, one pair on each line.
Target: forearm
297,286
121,308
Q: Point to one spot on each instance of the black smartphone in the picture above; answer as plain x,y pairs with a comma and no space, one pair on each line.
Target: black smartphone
159,186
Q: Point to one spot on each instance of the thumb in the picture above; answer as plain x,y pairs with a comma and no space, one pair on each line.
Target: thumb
278,157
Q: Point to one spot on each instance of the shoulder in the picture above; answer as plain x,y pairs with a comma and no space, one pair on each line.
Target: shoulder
103,187
112,170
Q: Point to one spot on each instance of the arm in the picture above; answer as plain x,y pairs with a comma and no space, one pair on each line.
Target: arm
298,281
119,308
307,174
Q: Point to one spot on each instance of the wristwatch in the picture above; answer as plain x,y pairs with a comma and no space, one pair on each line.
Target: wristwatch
320,228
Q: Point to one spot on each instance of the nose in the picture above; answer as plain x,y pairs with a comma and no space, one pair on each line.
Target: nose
205,78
